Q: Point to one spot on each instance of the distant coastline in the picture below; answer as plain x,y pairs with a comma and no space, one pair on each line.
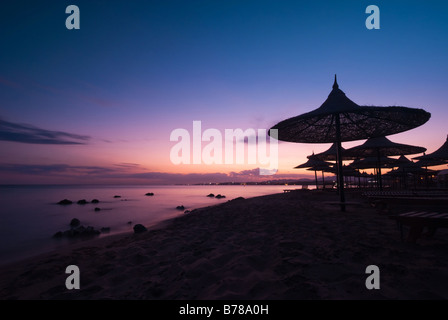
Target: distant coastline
229,183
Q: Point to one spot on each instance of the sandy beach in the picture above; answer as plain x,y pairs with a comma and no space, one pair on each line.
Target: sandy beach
296,245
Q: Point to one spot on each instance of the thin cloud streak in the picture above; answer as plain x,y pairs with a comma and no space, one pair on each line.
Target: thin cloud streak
55,169
9,83
25,133
123,173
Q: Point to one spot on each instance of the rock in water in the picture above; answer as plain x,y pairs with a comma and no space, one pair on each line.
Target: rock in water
117,196
219,196
95,201
75,223
97,209
139,228
180,208
65,201
149,194
83,201
211,195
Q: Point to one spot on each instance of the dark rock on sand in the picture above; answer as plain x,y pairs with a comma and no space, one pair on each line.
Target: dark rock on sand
75,222
211,195
83,201
58,234
77,232
86,231
95,201
139,228
65,202
180,208
149,194
187,211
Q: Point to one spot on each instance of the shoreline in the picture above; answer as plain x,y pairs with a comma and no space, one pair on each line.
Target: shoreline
102,239
281,246
27,230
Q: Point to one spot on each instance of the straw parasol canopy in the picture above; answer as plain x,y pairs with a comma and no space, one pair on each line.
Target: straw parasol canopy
331,154
382,146
346,170
355,122
372,162
340,119
439,154
408,165
314,164
428,162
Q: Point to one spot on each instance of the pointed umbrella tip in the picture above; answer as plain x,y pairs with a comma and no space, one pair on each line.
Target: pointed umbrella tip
335,84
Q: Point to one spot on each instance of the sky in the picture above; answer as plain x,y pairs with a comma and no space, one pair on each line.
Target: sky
98,104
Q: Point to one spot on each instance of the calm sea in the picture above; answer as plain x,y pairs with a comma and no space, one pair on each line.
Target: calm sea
30,216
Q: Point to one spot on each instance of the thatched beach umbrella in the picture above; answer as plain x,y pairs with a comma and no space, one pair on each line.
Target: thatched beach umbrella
331,154
406,167
428,162
346,170
315,165
339,119
381,147
438,157
440,154
372,162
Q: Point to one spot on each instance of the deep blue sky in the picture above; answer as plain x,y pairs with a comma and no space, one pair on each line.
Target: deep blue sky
136,70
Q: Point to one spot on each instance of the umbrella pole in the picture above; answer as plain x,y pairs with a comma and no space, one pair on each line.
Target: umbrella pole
404,179
380,179
323,180
359,179
315,177
339,157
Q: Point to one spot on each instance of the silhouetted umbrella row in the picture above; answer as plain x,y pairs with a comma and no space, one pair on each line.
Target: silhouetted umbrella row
381,147
407,168
314,164
403,166
340,119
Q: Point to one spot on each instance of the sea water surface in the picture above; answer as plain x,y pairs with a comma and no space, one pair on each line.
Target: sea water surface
30,215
